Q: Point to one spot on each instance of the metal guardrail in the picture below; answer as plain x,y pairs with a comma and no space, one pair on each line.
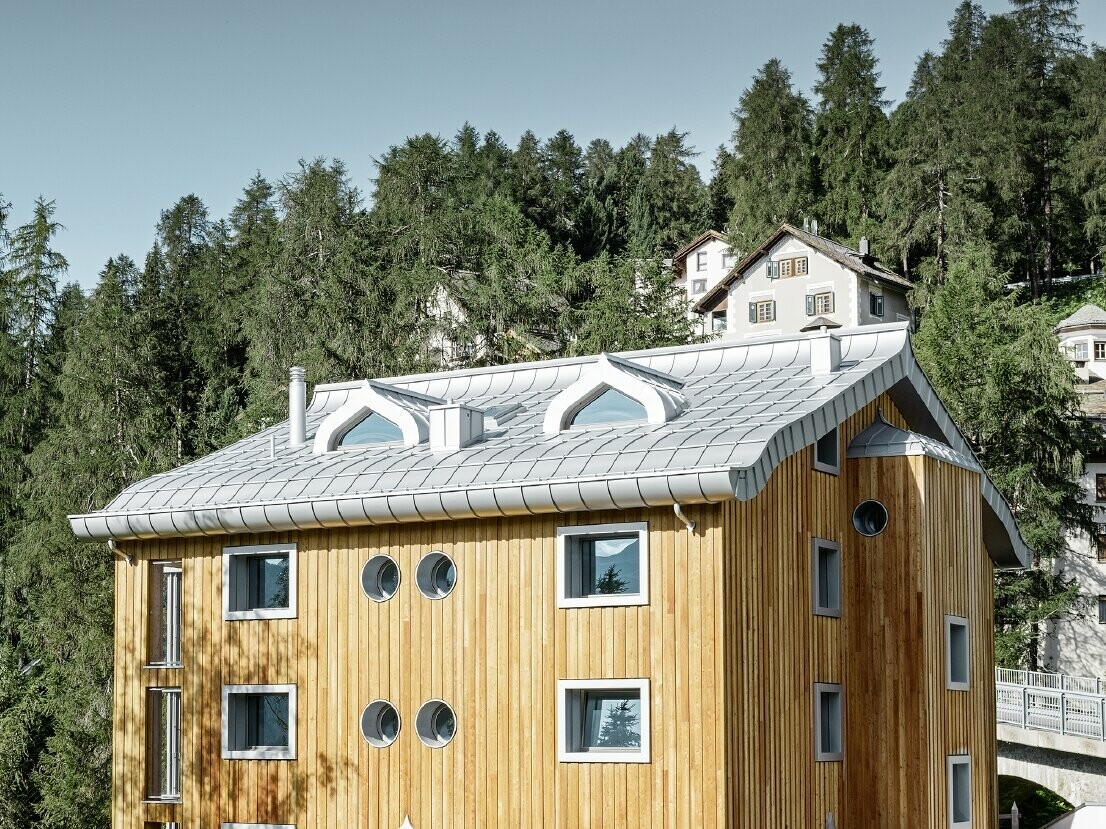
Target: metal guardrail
1075,706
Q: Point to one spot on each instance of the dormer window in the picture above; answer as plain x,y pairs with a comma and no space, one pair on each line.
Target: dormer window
373,428
610,406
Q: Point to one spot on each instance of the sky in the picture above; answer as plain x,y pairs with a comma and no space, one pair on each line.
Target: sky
117,108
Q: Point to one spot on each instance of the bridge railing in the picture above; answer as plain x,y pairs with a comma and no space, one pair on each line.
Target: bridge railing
1048,702
1053,682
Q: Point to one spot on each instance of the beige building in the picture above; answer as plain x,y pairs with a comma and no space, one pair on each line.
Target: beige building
797,281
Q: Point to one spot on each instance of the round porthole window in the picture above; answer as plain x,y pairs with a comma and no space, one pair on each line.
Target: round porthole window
870,518
436,723
380,723
436,575
380,578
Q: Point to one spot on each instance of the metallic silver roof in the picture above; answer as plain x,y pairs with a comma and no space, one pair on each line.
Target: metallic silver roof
882,440
749,406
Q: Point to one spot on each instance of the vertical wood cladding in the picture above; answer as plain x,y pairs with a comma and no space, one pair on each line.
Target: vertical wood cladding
728,641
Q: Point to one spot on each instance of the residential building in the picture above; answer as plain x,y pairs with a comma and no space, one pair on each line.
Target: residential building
1076,645
795,281
699,266
745,583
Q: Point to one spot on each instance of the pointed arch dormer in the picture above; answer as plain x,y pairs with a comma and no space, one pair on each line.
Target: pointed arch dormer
615,390
377,413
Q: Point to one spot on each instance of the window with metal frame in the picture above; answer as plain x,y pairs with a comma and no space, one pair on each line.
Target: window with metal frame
957,653
163,752
603,720
259,582
959,772
829,739
164,643
826,568
259,722
701,260
827,453
603,565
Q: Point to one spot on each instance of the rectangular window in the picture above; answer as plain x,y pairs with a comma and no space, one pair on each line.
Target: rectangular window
701,261
875,305
259,722
826,453
165,614
1102,610
1100,487
959,770
698,286
823,303
800,266
727,261
828,732
1100,546
1079,351
158,824
259,582
957,661
786,268
826,564
763,311
1099,350
163,744
603,565
718,321
257,826
603,720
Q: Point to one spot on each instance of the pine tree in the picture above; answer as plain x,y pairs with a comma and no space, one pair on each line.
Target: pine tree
1088,159
850,134
773,177
721,197
562,162
673,202
621,727
996,366
611,582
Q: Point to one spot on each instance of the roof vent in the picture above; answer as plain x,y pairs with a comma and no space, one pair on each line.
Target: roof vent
825,353
454,426
297,407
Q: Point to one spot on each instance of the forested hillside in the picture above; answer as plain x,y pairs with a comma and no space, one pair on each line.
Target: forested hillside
993,168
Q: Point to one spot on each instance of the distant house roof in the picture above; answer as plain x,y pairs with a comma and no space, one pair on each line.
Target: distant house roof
844,256
702,238
1089,316
745,406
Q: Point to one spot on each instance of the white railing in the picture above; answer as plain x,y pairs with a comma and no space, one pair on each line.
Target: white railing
1070,705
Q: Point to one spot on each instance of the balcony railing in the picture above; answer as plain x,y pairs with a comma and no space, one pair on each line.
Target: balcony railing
1071,705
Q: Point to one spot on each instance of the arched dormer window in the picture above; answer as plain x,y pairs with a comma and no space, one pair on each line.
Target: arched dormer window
615,390
609,406
374,414
373,428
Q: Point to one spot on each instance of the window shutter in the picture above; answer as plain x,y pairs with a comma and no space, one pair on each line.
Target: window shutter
773,318
832,302
810,305
773,269
752,312
876,303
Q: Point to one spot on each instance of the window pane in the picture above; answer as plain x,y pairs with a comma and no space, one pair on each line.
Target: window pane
829,703
268,579
610,565
1102,610
267,720
829,578
961,793
826,449
958,652
612,720
373,429
611,406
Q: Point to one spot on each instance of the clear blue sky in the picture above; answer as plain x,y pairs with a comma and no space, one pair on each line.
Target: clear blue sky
116,108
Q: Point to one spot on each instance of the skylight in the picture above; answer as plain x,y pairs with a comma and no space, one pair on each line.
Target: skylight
373,428
611,406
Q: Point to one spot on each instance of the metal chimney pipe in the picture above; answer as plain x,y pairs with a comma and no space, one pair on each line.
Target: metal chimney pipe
297,407
865,247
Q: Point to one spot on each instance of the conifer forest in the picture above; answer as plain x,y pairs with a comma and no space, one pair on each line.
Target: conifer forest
991,170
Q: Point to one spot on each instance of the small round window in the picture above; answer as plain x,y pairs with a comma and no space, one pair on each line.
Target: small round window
380,723
436,723
380,578
870,518
436,575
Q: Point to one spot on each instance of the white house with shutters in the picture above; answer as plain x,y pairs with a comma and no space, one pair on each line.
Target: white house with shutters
699,266
798,281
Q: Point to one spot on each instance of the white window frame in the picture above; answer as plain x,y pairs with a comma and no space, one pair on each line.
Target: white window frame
265,753
229,556
1080,351
698,286
822,466
159,615
958,760
821,756
565,537
700,261
952,621
153,743
816,572
567,718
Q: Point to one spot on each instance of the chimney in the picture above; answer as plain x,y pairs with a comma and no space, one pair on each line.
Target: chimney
454,426
825,353
865,248
814,226
297,407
